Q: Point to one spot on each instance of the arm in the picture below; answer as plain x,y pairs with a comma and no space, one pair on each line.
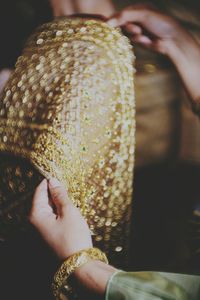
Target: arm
156,31
66,232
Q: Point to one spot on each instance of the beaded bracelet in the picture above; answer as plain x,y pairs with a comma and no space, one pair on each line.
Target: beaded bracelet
60,285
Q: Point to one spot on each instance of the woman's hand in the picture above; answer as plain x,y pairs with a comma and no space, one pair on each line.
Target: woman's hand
156,31
149,27
66,232
64,229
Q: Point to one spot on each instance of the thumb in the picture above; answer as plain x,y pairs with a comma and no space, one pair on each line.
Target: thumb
40,205
59,195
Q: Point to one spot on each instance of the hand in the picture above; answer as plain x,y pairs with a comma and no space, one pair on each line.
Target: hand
4,76
64,229
156,31
66,232
149,27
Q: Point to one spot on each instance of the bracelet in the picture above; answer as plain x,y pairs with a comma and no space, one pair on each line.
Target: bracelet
70,265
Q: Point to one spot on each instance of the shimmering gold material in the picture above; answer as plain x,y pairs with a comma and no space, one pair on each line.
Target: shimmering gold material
60,283
68,112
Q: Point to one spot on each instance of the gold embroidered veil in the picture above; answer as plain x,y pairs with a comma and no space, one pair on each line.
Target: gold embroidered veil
68,112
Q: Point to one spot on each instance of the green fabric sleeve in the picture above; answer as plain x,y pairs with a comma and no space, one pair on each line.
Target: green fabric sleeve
152,286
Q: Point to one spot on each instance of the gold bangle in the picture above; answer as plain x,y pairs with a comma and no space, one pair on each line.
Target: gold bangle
70,265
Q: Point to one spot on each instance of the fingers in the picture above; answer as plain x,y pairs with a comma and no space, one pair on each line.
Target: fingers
135,22
133,14
41,207
40,198
125,17
42,212
136,34
137,13
142,39
133,29
59,196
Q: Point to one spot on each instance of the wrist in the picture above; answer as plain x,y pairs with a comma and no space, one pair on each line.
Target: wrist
93,276
61,283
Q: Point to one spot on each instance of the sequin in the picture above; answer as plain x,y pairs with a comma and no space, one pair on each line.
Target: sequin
8,93
83,29
39,41
65,45
21,113
20,83
70,31
118,249
59,33
5,138
70,112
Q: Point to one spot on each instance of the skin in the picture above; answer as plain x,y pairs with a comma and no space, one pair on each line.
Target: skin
67,232
64,229
152,29
59,225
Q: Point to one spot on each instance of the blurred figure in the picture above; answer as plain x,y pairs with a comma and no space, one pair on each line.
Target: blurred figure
67,7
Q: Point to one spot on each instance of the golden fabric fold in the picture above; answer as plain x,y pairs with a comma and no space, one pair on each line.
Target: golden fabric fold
68,112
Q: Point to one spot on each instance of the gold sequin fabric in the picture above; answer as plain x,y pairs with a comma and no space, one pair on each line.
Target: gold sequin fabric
68,111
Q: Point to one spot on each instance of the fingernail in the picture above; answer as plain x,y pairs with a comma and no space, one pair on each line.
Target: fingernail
112,22
53,182
44,181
